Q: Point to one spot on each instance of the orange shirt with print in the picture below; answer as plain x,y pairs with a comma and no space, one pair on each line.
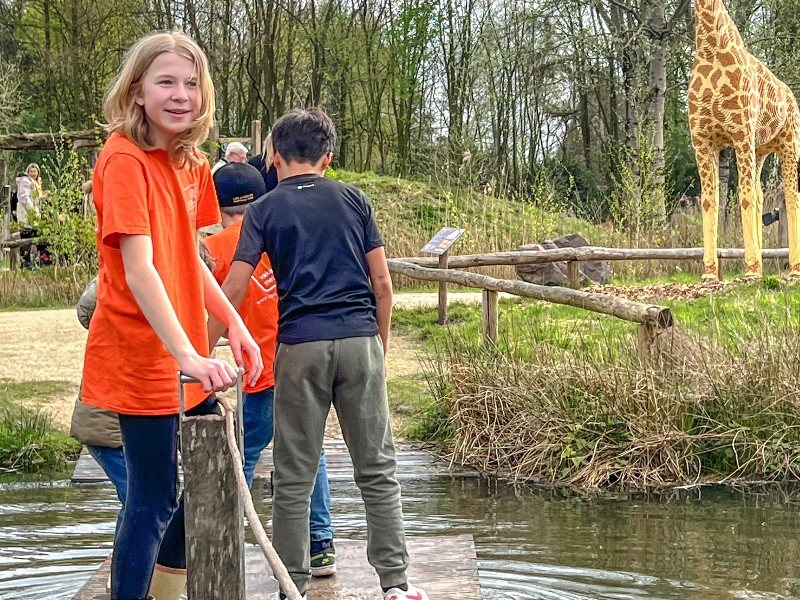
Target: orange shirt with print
259,309
127,369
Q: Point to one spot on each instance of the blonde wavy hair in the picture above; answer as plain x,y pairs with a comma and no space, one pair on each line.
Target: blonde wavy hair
269,151
125,116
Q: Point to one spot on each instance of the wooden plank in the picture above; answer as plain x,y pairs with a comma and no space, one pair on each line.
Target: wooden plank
49,140
213,511
413,462
444,566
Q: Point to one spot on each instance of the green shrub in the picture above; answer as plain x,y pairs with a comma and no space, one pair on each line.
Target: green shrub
29,442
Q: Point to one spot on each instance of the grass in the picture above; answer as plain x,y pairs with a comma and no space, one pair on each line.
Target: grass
564,398
48,287
29,442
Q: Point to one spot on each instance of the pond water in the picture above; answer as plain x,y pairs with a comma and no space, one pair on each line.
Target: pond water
709,543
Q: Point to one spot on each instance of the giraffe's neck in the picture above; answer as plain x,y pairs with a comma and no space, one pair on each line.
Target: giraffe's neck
714,28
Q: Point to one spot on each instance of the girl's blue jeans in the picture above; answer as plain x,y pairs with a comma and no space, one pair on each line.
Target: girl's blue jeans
152,528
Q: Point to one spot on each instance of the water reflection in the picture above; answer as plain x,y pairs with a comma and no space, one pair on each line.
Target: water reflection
532,543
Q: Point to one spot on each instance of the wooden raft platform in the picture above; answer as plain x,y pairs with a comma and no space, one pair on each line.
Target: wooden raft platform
445,567
412,462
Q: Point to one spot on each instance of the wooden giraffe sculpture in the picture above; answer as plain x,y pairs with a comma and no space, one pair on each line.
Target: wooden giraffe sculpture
735,100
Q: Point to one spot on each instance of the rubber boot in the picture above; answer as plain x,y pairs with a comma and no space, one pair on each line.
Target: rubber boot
167,583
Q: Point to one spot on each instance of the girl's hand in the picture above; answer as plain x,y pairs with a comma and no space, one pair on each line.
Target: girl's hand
244,346
215,375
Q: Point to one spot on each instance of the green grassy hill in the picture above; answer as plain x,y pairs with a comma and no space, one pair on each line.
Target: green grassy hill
411,212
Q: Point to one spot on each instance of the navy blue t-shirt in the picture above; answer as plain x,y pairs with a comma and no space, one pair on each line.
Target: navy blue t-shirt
317,233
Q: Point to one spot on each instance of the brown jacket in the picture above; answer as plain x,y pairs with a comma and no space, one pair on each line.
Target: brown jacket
91,425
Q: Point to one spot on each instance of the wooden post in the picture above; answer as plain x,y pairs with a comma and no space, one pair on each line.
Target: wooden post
646,336
213,512
6,207
215,149
720,273
574,274
443,290
255,137
490,316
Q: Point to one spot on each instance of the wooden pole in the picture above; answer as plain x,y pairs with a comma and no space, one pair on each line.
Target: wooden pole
213,512
490,316
585,253
659,316
574,274
215,149
6,202
49,140
443,289
255,137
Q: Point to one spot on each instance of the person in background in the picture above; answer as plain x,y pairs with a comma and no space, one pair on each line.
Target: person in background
29,195
263,162
234,153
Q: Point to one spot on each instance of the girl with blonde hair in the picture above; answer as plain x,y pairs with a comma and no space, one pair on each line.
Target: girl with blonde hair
29,193
153,191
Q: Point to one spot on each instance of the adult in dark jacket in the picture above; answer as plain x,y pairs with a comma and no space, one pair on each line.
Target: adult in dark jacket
263,162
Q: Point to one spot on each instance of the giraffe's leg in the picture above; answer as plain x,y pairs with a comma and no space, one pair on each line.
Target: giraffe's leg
708,168
788,159
759,197
746,163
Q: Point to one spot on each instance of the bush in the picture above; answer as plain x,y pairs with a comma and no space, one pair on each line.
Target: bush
29,442
64,222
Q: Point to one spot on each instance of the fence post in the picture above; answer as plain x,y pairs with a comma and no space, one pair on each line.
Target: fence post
6,205
255,137
213,512
574,274
490,316
443,290
214,137
720,273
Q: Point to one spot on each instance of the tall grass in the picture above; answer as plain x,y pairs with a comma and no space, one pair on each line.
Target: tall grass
29,441
47,287
574,407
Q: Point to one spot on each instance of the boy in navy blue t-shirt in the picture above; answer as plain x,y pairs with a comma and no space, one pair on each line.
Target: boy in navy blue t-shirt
335,308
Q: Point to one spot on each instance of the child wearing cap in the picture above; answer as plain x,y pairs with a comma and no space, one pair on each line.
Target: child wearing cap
237,186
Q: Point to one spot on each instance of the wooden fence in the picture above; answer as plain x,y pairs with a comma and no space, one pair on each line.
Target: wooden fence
652,319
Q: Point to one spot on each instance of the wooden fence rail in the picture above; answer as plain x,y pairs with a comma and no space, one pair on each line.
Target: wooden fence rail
651,318
584,253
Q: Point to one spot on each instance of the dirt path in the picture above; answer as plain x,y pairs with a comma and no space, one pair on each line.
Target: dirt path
43,345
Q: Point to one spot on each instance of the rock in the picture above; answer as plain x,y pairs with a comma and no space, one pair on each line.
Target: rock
593,271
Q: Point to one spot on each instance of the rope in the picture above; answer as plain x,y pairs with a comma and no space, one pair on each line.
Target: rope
278,568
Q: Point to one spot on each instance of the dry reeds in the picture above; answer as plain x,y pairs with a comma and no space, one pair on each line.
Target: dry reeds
703,413
48,287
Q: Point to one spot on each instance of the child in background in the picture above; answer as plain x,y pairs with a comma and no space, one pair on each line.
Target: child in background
152,190
335,308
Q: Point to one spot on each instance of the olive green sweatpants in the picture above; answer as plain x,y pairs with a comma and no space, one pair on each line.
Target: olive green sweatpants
309,377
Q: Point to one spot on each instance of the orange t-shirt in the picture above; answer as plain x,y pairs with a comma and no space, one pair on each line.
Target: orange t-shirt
259,309
127,369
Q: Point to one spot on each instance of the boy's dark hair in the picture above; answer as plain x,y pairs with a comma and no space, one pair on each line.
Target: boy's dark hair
304,135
